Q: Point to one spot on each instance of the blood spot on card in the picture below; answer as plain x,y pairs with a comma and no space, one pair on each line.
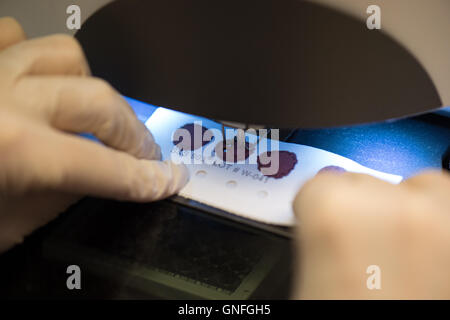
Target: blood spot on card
185,139
286,163
228,150
333,169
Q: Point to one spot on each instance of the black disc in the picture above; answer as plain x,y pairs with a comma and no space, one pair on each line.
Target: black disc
285,63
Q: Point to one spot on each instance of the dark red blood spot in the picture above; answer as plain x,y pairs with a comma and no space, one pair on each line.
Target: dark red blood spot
195,142
228,151
287,161
334,169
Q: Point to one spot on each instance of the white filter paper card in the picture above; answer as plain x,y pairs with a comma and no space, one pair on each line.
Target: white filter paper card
241,188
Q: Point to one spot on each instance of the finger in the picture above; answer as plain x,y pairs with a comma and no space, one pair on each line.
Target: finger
11,32
329,192
317,189
315,202
87,105
57,54
63,162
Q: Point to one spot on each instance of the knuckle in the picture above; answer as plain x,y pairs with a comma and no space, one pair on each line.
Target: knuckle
72,49
106,130
104,97
104,93
113,123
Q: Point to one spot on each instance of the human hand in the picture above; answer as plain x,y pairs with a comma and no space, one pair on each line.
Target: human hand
351,221
47,95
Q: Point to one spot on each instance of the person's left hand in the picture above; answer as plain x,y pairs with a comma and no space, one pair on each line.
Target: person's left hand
47,96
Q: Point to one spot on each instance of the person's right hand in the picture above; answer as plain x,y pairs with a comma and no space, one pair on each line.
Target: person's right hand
350,221
47,96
